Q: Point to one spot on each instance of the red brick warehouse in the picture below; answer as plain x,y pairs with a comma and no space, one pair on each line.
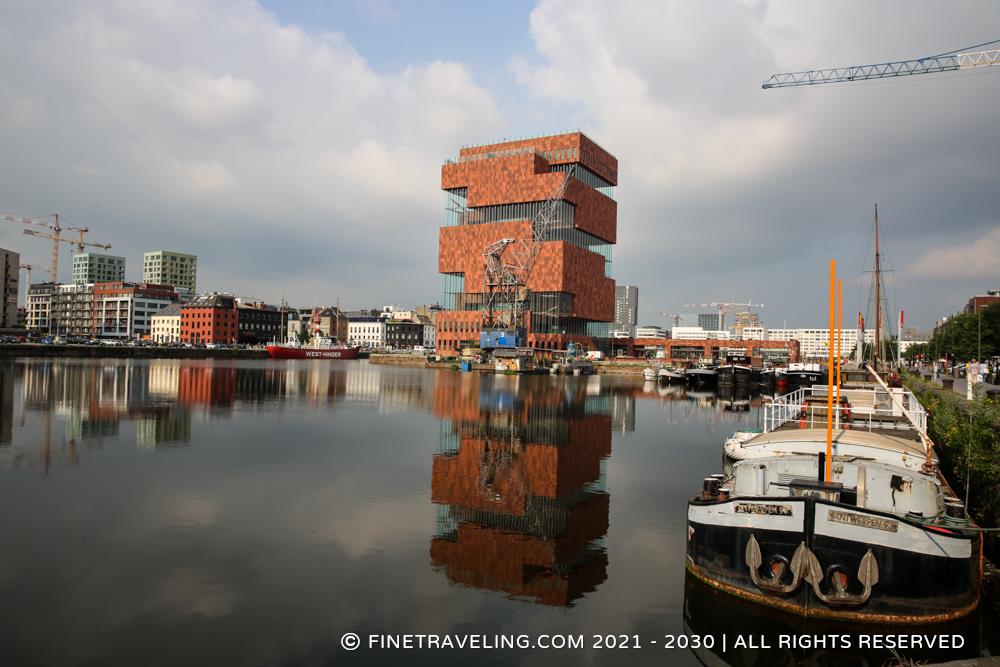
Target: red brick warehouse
493,192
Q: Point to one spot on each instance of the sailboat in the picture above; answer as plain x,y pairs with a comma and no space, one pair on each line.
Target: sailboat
848,520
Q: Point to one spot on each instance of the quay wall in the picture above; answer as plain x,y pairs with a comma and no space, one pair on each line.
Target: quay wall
9,351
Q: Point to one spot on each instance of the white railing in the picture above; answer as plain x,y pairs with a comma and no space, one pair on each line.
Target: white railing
866,408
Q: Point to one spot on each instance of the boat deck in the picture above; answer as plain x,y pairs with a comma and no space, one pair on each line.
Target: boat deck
900,433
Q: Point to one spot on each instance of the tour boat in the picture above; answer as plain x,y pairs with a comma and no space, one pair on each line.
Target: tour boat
319,348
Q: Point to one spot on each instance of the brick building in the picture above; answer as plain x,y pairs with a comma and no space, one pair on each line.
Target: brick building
209,318
980,301
494,192
674,350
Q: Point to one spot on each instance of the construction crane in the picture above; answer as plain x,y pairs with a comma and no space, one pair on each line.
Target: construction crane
27,269
505,284
55,235
674,316
950,61
723,307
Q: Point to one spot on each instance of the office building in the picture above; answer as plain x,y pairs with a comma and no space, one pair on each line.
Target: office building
166,267
125,310
495,192
709,321
10,276
92,267
651,331
626,309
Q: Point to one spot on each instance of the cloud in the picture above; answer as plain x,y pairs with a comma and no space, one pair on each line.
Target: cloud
293,168
724,187
273,152
979,259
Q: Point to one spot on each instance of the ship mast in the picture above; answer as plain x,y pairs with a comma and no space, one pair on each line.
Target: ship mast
877,349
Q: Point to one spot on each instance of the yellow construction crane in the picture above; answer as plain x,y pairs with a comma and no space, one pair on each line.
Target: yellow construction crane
55,235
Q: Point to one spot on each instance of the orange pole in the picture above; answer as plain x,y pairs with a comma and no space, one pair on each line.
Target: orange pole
829,375
840,331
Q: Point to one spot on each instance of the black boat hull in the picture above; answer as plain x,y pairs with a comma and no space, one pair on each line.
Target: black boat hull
732,374
923,575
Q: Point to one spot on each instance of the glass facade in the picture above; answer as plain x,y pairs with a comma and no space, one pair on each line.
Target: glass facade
588,177
452,290
561,229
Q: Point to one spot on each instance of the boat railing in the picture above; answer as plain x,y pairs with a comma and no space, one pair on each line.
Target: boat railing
865,408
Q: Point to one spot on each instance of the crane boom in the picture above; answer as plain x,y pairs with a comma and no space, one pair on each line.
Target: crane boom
943,63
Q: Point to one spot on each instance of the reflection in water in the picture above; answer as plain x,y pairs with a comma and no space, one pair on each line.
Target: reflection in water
231,512
519,480
817,642
77,405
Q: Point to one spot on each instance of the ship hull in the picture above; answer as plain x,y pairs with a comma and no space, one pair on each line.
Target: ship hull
924,576
734,374
283,352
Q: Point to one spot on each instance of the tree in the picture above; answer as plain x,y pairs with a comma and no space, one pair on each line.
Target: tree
969,335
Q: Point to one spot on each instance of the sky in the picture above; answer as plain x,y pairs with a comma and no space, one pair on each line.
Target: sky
296,147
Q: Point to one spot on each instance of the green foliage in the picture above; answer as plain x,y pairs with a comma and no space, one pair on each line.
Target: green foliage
967,437
303,336
959,337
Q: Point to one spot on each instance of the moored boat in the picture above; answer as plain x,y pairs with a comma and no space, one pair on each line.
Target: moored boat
701,375
319,348
803,374
736,370
838,510
670,375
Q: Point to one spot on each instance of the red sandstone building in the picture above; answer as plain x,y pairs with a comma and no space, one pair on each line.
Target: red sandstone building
209,318
493,192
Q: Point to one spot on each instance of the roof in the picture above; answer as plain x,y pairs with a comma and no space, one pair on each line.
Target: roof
173,310
211,301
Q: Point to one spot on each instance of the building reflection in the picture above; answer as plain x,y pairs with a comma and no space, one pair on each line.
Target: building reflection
6,402
78,404
519,480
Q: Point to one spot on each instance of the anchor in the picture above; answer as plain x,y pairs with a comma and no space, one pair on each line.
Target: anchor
867,575
773,583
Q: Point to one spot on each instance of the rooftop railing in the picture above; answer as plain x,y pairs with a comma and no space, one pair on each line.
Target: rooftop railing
866,408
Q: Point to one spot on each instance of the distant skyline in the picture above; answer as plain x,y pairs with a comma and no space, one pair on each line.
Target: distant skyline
295,147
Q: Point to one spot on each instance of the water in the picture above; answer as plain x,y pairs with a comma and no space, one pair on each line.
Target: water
251,513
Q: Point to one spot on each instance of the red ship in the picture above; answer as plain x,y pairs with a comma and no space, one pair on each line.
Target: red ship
320,349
